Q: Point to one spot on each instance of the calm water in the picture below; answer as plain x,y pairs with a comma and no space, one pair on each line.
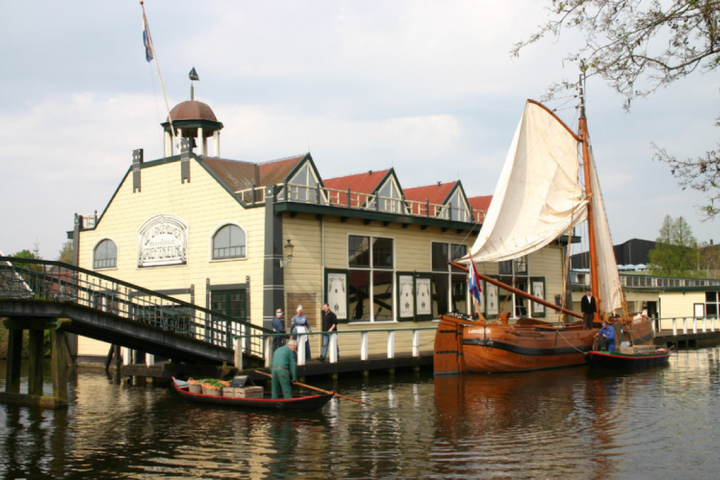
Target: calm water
658,423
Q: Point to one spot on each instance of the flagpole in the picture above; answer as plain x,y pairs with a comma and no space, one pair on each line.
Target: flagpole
150,44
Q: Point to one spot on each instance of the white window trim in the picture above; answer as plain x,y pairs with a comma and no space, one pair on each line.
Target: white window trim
370,269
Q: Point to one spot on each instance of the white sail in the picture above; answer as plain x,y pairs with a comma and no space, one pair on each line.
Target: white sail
537,198
610,286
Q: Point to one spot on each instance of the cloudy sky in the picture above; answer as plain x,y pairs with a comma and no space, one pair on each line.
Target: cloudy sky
426,87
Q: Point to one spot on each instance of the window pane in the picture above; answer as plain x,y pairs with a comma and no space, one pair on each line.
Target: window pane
229,242
457,251
505,268
383,252
459,293
359,281
106,254
439,256
358,251
382,295
440,294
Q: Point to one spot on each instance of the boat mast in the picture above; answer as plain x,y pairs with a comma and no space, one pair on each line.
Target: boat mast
584,140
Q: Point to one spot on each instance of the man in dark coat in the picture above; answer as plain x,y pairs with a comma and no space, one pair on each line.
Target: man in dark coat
329,324
588,306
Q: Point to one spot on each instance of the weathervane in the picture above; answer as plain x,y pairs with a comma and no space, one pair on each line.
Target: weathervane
193,78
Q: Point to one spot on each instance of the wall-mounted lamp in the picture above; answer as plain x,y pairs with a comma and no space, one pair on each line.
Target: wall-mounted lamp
289,247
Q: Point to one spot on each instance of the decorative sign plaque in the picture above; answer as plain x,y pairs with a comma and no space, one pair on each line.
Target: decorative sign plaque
407,299
423,300
337,294
162,241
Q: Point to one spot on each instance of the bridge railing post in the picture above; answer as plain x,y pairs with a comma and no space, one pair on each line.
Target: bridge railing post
684,325
695,321
674,326
364,346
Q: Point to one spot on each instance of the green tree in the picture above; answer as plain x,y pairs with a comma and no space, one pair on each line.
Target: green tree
638,46
676,252
66,253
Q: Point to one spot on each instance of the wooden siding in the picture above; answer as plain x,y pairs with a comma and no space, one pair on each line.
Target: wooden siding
679,304
204,206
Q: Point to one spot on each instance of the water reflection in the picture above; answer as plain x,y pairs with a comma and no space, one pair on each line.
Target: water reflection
562,423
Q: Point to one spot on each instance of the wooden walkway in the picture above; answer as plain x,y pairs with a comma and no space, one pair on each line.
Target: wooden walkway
687,339
347,366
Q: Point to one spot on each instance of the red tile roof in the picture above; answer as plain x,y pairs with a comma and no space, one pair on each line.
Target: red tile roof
436,194
361,183
480,203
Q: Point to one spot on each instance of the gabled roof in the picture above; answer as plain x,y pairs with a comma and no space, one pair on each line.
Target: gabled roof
361,183
238,175
436,193
480,203
235,174
366,182
277,171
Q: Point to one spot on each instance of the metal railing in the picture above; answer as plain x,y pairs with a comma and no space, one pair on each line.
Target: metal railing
55,281
364,201
392,335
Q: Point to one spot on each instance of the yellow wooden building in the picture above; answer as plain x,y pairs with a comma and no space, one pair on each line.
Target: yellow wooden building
249,238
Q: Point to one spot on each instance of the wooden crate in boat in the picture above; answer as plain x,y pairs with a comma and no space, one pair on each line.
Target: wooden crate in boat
245,392
637,349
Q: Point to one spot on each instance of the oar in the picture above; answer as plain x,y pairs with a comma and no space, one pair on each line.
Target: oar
319,390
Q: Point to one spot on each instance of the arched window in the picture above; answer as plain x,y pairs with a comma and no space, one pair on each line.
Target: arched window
105,255
228,242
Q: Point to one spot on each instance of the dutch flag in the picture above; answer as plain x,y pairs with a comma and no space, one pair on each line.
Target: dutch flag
474,285
146,40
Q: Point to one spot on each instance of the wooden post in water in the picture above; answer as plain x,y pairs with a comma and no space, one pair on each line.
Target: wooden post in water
60,362
14,356
35,362
118,364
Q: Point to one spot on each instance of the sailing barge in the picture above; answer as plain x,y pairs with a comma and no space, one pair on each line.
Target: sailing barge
538,199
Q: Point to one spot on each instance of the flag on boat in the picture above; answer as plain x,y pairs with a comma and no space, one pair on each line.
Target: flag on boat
474,285
146,40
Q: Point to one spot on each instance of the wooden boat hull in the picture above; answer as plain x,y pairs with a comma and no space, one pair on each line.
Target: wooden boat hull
462,345
302,403
608,360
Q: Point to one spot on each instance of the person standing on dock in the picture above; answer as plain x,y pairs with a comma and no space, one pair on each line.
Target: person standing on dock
283,368
329,324
588,306
300,325
278,327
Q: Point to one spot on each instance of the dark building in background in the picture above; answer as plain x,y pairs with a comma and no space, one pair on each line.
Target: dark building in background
632,252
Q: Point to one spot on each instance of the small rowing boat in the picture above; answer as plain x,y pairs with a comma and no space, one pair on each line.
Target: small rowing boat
608,360
298,402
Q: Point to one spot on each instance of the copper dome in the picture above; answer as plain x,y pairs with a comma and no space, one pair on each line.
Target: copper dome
192,110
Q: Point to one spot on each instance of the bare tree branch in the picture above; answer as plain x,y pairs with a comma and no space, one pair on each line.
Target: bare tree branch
638,46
